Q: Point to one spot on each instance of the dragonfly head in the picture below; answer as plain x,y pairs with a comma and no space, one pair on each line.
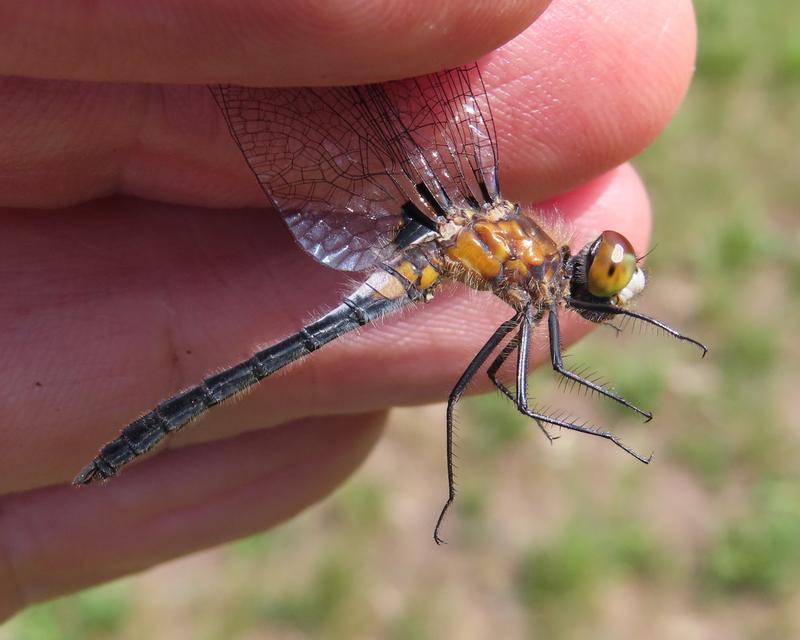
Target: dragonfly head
606,271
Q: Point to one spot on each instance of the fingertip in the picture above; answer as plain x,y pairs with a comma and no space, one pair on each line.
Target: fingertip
361,42
587,87
616,200
257,42
174,504
624,206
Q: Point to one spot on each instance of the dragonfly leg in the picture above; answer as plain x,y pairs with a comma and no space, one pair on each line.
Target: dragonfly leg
474,366
521,397
558,365
609,309
520,342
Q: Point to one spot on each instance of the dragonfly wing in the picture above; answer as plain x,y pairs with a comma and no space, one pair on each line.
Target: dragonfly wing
343,164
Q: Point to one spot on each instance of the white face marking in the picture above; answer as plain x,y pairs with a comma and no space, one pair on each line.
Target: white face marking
633,288
617,254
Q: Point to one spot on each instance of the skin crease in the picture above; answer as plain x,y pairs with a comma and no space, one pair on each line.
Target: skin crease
107,306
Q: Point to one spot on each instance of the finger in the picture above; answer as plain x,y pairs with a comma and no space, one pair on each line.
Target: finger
60,539
587,87
263,42
576,95
106,315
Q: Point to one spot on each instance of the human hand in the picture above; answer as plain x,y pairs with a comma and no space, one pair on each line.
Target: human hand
110,305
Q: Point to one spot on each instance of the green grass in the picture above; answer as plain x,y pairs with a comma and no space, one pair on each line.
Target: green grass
96,613
559,583
362,506
759,552
320,605
497,425
413,624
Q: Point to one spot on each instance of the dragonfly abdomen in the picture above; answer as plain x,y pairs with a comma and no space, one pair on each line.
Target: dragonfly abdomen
384,291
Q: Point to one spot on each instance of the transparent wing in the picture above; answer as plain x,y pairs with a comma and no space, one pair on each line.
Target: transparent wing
341,164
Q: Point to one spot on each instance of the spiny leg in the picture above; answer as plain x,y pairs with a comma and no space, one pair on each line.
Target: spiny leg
609,309
474,366
616,329
558,365
582,428
521,343
521,402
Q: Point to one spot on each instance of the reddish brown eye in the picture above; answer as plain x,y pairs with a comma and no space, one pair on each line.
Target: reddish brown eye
613,265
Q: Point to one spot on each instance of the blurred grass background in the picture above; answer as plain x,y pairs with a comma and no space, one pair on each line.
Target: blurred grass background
573,540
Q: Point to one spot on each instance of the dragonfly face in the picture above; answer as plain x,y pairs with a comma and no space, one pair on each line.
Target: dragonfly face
400,180
607,270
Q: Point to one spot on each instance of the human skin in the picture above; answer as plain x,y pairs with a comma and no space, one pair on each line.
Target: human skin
137,255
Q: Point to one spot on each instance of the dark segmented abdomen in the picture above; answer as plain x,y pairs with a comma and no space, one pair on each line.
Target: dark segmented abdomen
382,293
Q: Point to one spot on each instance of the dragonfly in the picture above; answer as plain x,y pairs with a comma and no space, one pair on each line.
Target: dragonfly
399,181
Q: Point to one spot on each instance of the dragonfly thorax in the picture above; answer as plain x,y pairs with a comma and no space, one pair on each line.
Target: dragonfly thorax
502,250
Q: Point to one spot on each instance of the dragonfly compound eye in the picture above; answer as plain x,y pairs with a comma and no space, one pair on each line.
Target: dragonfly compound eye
612,265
